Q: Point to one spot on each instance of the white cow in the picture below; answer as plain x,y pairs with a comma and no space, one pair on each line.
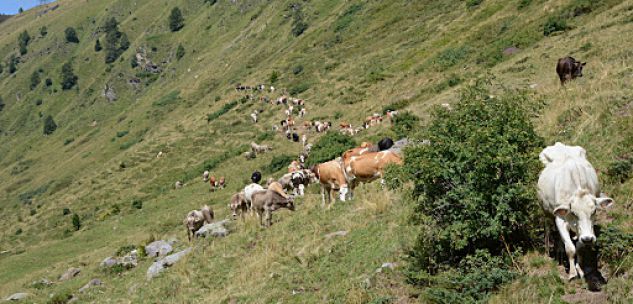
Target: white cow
249,190
254,117
570,192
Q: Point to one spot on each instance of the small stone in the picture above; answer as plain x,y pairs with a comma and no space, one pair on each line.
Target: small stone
337,233
158,248
108,262
69,274
18,296
91,283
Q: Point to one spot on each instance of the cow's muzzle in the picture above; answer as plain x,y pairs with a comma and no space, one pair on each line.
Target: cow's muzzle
588,239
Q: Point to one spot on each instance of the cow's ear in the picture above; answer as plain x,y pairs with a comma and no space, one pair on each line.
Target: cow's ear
604,202
583,64
561,211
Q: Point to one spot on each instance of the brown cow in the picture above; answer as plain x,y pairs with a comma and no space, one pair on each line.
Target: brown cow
221,183
266,201
195,219
568,68
330,175
238,205
212,183
367,167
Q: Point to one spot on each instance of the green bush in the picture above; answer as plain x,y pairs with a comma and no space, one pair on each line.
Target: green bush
49,125
48,82
297,69
329,147
620,169
18,231
405,123
35,80
554,24
98,46
71,35
180,52
274,76
137,204
298,89
176,21
65,211
122,133
13,64
227,107
614,245
451,57
473,3
346,19
524,3
278,162
43,31
69,79
23,42
76,222
1,104
60,297
68,141
474,184
124,42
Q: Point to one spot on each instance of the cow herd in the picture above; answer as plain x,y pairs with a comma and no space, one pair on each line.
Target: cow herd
568,186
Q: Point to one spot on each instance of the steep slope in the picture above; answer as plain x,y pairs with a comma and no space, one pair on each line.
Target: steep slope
352,60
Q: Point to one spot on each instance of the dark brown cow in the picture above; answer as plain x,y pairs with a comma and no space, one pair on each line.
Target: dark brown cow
568,68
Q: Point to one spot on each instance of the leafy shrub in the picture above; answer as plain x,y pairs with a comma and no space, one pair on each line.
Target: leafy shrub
38,102
60,298
76,222
297,69
43,31
1,104
133,62
554,24
123,250
278,162
405,123
23,42
48,82
620,169
169,99
524,3
274,76
33,212
474,183
69,79
298,89
210,2
18,231
137,204
13,64
124,43
268,135
451,57
98,46
329,147
49,125
35,80
68,141
71,35
176,21
348,16
122,133
473,3
614,245
65,211
227,107
180,52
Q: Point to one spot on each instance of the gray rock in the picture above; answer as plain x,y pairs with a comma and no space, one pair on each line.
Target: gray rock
337,233
217,229
159,266
69,274
158,249
42,282
130,260
91,283
18,296
390,266
108,262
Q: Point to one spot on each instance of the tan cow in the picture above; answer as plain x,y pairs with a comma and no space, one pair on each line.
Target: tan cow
266,201
277,187
238,205
367,167
330,175
195,219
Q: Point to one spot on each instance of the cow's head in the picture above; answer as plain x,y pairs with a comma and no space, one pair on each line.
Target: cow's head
581,211
578,68
287,203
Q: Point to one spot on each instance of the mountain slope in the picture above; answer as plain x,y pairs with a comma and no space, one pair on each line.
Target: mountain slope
353,59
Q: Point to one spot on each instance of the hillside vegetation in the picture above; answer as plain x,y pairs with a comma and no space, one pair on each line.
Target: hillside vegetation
81,127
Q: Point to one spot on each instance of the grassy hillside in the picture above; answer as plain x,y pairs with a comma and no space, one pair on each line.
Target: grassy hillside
353,59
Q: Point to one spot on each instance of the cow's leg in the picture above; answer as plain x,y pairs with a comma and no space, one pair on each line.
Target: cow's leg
268,217
323,195
301,190
343,192
570,249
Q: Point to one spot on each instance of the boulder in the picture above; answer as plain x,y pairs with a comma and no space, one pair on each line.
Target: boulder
390,266
108,262
18,296
158,249
69,274
159,266
337,233
91,283
217,229
41,283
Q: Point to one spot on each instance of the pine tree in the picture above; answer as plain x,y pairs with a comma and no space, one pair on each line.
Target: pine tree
49,125
125,43
176,21
20,10
69,79
180,52
98,47
13,64
71,35
35,80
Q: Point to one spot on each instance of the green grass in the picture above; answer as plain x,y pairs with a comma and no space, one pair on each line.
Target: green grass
356,59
